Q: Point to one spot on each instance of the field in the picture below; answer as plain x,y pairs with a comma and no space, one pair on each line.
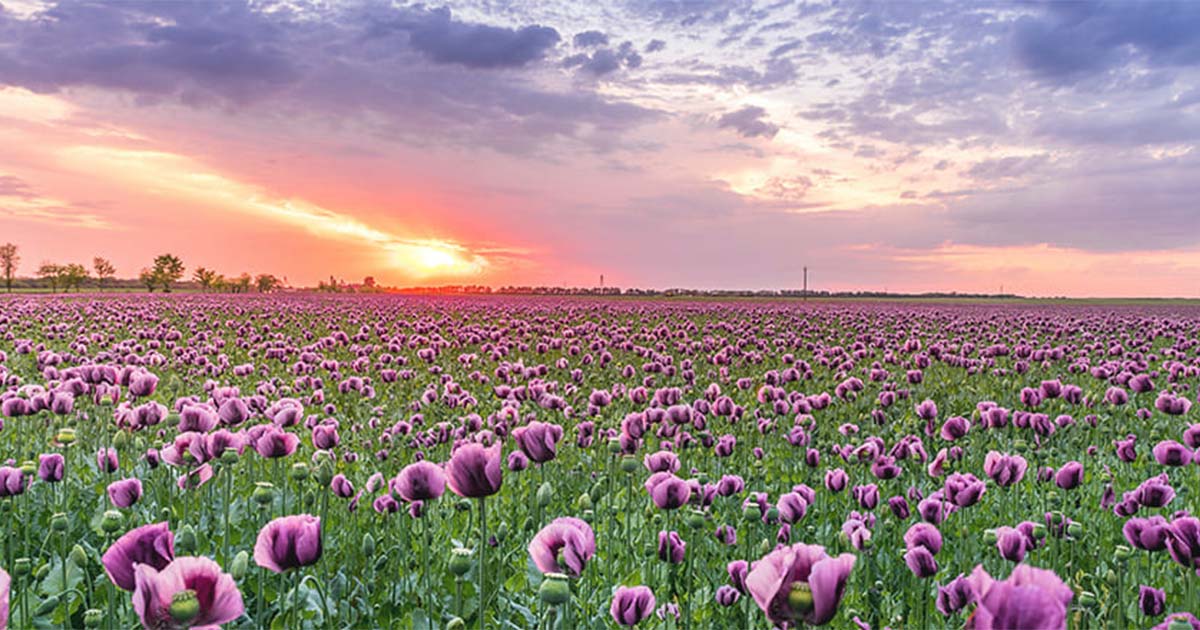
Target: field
385,462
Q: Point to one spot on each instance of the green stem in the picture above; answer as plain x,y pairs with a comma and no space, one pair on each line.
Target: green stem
483,542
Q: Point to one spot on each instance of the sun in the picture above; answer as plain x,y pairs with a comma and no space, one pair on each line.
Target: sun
424,259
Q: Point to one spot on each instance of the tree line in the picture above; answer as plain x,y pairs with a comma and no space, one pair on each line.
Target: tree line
164,274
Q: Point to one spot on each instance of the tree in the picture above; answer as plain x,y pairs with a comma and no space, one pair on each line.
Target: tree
206,278
220,283
266,283
104,270
51,273
72,276
242,284
167,269
148,278
9,259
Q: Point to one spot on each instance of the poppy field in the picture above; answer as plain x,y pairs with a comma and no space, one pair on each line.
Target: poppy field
301,461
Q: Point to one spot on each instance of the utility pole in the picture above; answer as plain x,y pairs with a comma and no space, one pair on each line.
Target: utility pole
601,281
804,293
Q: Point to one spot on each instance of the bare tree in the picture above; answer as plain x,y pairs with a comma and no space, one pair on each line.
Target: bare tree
104,270
9,259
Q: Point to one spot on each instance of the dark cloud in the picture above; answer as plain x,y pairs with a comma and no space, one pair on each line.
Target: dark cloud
749,122
1069,41
605,60
588,39
655,45
422,75
444,39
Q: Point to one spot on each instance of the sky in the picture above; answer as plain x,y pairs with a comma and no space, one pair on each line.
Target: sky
1042,148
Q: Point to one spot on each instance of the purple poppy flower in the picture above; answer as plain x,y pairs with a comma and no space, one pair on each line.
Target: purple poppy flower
955,595
727,595
923,535
150,545
474,470
671,547
1029,598
921,562
341,486
1172,453
125,492
159,592
538,440
1005,470
668,491
1152,601
631,605
564,546
1011,543
1155,492
800,582
420,481
1069,476
964,490
50,467
288,542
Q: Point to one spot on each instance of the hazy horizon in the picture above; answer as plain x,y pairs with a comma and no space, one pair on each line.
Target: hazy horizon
1049,149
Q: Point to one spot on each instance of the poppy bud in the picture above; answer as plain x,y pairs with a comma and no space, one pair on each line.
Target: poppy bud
1075,529
460,561
22,567
555,590
78,556
1087,599
264,493
29,467
1121,553
299,471
368,545
229,456
65,435
241,562
186,540
184,606
111,521
93,617
545,494
456,623
59,522
630,464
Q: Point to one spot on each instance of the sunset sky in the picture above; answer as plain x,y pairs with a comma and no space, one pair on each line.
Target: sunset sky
906,146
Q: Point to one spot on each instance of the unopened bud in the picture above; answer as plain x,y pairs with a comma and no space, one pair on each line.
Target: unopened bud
555,590
111,521
460,561
240,564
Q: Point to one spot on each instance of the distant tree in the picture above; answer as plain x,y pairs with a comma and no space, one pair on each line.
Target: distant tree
242,284
51,273
204,277
104,270
369,282
9,259
167,270
266,283
148,278
220,283
72,276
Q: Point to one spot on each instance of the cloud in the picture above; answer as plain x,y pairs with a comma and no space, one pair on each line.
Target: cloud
444,39
1068,41
749,122
605,60
588,39
13,186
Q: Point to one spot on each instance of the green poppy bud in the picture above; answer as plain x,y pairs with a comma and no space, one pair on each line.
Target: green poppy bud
186,540
368,545
65,435
1122,552
463,505
545,494
299,471
381,561
630,464
800,598
501,532
1075,529
1039,530
22,567
111,521
1110,578
1179,623
989,536
120,439
172,420
555,589
264,493
456,623
29,467
614,445
78,556
597,491
1087,599
460,561
751,512
93,617
695,519
59,522
584,502
229,457
240,564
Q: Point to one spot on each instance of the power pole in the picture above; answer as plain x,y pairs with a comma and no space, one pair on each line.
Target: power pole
601,281
804,293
